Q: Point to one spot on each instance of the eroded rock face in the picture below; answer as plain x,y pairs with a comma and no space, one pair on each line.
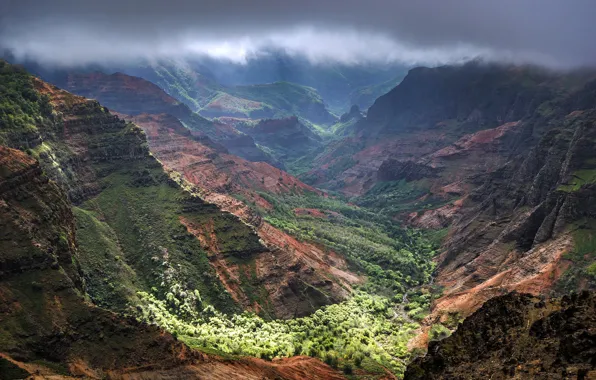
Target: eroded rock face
431,109
517,336
523,216
43,306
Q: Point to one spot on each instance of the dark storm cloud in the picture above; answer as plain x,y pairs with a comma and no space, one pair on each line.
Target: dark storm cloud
551,32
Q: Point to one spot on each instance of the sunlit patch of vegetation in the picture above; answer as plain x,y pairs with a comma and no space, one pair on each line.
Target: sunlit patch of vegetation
369,331
578,179
22,108
364,329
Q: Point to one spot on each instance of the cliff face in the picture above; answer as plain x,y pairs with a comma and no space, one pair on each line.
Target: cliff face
529,226
517,336
44,310
431,109
500,157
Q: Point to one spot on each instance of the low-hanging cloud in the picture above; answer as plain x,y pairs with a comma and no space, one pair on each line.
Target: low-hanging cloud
555,33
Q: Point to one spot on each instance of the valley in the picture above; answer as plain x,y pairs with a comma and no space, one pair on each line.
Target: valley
234,223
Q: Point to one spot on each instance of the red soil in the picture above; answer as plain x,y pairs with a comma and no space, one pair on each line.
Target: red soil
217,175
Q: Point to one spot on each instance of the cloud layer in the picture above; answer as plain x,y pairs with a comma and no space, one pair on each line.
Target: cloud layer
556,33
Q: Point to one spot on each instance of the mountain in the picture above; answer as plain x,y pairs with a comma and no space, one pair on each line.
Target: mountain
82,249
517,336
297,277
172,229
133,96
495,158
456,189
203,94
337,83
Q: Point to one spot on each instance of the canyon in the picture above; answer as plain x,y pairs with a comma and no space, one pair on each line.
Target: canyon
461,199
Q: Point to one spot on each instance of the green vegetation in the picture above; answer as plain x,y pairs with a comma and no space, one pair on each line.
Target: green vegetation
364,331
395,197
223,103
290,98
144,210
22,109
583,257
109,280
369,331
579,179
438,332
183,83
10,371
394,258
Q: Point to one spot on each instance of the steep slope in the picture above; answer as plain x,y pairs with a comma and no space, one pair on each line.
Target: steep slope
429,110
496,158
124,93
289,99
365,96
222,104
56,257
530,223
133,95
297,277
43,308
517,336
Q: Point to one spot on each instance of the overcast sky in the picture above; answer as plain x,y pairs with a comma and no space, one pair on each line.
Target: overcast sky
559,33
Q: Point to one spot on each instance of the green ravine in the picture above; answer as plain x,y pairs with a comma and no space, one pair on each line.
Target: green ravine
370,330
138,258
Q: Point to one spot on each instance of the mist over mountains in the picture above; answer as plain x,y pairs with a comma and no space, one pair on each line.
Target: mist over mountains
314,190
67,32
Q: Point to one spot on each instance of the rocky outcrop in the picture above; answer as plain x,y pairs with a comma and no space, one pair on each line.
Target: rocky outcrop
517,336
353,114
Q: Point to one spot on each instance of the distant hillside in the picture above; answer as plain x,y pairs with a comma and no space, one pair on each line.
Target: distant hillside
497,159
365,96
290,99
335,82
